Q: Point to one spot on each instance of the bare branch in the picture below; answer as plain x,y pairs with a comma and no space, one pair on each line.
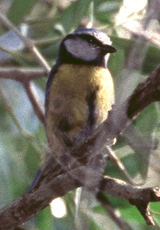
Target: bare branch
145,93
44,41
121,189
140,197
26,206
21,74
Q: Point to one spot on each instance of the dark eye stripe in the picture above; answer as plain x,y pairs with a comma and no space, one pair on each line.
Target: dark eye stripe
91,39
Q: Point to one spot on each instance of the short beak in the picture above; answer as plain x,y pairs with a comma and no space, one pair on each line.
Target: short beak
108,49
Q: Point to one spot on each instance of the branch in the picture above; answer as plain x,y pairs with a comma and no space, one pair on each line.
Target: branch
140,197
145,93
26,206
21,74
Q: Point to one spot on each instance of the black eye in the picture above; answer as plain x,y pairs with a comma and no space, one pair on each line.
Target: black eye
90,40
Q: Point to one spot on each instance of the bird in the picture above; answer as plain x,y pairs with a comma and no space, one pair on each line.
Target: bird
79,90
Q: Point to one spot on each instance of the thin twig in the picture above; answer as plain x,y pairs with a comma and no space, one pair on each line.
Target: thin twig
37,106
120,165
26,41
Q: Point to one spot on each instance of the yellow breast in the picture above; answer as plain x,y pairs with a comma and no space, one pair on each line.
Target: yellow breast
70,98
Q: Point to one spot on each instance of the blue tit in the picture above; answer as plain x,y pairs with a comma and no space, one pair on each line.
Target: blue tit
80,89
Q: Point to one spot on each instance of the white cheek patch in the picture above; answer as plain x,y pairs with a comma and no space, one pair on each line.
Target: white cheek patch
81,49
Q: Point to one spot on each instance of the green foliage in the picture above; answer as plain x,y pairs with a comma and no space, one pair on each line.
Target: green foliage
148,119
105,9
19,10
72,16
45,219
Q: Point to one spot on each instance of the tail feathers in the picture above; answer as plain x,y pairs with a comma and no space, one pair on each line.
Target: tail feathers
51,168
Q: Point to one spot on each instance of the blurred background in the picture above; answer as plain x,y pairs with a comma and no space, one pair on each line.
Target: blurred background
134,28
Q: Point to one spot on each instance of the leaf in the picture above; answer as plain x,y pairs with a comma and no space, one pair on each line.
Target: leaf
19,10
116,62
147,120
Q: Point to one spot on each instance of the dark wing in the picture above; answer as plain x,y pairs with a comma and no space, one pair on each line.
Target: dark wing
49,83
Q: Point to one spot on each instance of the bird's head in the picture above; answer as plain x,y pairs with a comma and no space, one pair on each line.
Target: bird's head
86,46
